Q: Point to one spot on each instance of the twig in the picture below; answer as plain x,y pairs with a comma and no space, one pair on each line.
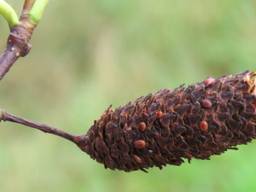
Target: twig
17,46
20,35
28,4
4,116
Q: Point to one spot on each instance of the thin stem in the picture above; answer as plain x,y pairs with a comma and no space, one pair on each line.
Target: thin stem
4,116
9,14
28,4
7,59
17,46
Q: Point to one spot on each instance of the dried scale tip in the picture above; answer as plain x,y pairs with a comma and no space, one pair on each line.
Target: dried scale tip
168,127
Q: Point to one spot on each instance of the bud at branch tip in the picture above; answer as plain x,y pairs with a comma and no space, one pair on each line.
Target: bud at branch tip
9,14
37,10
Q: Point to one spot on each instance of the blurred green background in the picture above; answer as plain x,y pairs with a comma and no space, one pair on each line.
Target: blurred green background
89,54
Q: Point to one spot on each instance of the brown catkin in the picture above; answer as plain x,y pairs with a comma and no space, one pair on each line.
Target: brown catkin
167,127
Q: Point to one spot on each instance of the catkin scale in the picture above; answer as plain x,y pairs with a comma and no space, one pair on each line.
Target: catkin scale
168,127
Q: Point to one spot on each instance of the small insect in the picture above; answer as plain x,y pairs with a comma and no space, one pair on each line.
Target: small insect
204,126
209,81
142,126
206,103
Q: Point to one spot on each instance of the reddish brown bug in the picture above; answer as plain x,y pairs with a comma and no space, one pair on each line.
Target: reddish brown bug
204,126
139,144
206,103
142,126
159,114
209,81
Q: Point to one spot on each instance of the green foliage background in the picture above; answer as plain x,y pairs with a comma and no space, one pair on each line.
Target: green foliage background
89,54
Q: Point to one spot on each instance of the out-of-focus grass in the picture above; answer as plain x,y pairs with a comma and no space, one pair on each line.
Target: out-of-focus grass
89,54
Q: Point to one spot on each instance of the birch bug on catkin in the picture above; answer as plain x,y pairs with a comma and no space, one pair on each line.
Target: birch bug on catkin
168,127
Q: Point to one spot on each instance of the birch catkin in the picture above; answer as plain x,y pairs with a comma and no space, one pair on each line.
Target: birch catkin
168,127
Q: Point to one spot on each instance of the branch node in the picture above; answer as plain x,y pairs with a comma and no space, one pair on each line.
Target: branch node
20,37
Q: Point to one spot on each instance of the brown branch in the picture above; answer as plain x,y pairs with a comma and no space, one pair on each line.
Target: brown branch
28,4
4,116
18,40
